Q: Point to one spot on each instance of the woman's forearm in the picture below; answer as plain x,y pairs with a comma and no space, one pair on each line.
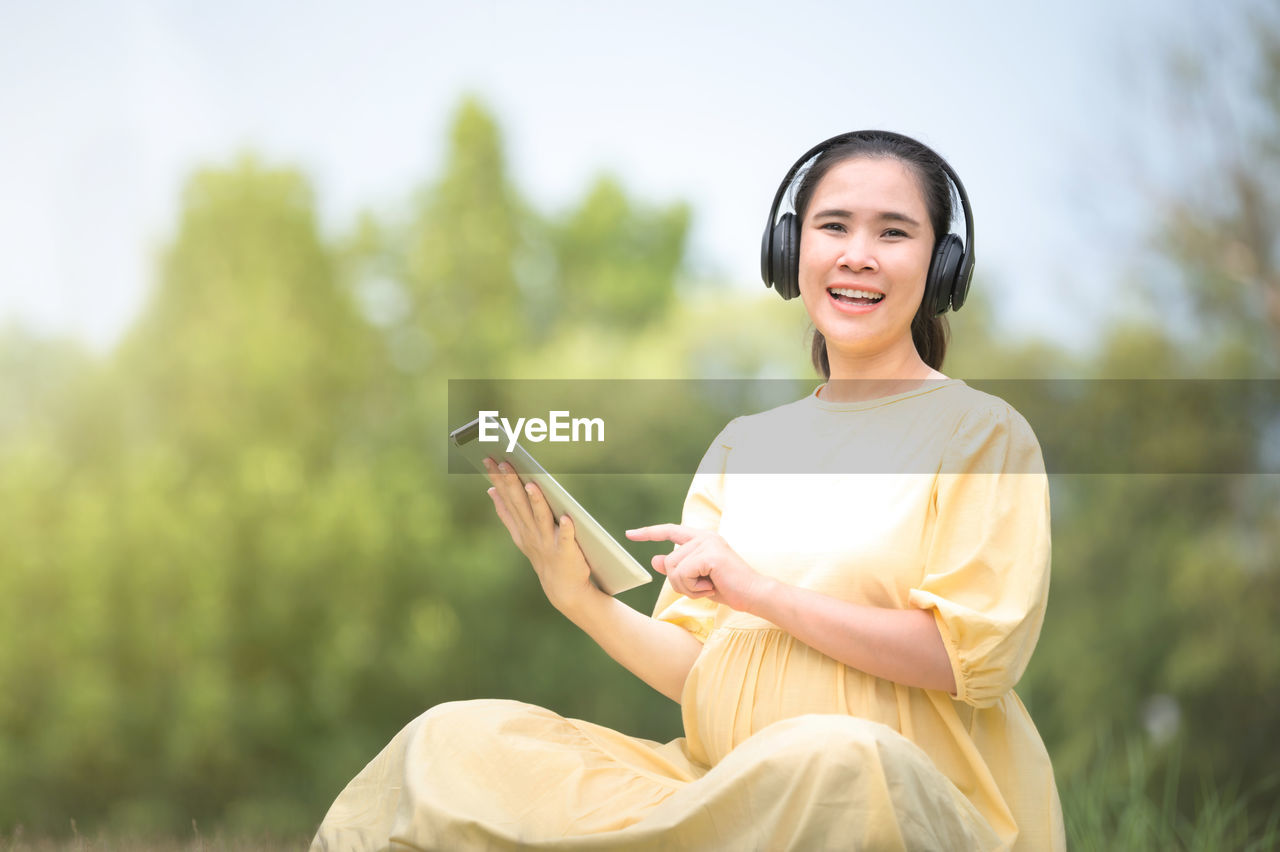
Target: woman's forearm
658,652
901,645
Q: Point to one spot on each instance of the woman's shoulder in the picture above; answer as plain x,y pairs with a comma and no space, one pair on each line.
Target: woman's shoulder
978,406
965,399
986,424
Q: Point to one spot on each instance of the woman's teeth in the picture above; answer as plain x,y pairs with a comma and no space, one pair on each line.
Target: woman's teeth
859,297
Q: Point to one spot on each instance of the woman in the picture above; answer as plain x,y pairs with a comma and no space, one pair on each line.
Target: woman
843,641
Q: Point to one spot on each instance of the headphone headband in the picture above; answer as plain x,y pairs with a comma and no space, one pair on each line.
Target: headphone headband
949,275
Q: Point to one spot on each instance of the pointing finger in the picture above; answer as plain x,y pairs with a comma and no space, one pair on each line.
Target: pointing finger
663,532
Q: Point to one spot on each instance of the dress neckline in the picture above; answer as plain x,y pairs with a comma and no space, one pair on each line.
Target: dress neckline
928,386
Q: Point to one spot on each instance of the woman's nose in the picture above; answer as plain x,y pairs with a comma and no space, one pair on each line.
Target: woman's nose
857,254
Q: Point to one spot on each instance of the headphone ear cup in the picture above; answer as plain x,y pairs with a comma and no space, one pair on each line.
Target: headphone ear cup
786,256
783,261
964,277
944,272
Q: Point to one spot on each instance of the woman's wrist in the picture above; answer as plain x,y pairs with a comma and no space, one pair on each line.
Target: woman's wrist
580,604
764,592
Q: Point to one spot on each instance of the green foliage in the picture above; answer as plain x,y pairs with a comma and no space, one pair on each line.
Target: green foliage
612,253
460,254
248,332
234,565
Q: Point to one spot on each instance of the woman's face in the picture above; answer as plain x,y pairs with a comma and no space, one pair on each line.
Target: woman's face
865,246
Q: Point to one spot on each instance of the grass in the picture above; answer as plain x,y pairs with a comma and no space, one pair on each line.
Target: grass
1105,809
197,841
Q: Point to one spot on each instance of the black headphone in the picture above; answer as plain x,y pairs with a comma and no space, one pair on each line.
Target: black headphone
947,284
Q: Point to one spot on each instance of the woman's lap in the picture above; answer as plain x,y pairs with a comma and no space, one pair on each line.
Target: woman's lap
501,774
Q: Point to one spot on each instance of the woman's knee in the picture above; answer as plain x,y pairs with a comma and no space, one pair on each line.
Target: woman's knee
831,738
478,711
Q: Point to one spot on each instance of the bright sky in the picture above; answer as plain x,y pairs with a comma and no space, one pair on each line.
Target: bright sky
107,106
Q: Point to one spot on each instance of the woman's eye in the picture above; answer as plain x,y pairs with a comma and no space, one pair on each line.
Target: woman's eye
832,226
894,232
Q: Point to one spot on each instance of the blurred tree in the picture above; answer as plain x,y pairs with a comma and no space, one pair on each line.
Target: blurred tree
219,537
617,262
247,332
461,254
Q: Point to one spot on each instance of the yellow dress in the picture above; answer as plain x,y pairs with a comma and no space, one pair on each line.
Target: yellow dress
935,499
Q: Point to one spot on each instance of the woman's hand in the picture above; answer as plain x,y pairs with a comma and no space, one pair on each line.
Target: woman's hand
902,645
702,565
550,546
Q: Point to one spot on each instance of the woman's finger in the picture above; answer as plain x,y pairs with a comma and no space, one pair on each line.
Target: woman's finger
566,535
695,586
541,511
664,532
507,481
683,552
692,586
504,515
691,574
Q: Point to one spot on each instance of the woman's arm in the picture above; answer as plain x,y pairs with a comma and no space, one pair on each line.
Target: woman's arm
659,653
901,645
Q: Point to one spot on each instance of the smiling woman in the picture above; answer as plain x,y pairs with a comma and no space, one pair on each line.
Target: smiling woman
843,646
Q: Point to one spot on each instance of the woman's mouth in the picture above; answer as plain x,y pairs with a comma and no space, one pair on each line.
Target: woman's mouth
854,299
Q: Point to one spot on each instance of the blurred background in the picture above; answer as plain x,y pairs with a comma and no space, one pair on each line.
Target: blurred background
243,248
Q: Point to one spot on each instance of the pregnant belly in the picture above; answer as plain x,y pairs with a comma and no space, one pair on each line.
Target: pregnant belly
748,678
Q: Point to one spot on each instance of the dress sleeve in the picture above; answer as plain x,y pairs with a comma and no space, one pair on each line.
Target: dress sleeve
987,573
702,507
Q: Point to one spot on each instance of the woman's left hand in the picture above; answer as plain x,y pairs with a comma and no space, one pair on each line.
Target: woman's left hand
703,565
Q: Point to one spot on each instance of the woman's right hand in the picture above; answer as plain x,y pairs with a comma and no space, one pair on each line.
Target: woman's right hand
550,546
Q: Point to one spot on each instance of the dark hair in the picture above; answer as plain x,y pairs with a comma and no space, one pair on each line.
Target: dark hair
929,333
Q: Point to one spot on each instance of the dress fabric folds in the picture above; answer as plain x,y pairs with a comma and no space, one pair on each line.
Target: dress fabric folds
933,499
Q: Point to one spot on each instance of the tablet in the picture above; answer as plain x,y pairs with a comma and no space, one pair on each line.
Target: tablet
613,569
